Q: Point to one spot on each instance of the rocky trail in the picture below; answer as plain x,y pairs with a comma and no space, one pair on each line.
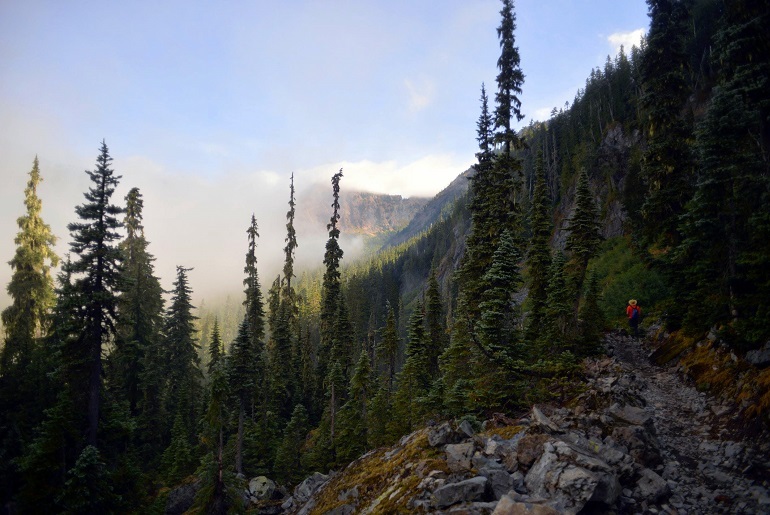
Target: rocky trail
706,462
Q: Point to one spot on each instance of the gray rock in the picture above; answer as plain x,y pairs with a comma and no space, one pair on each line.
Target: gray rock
632,416
181,498
543,421
508,506
442,435
474,489
571,478
261,488
466,428
458,456
652,487
517,479
759,357
500,481
305,490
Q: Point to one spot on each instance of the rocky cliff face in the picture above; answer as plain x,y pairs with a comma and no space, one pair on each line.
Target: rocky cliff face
637,440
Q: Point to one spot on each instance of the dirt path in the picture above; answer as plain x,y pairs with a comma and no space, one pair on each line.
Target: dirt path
708,469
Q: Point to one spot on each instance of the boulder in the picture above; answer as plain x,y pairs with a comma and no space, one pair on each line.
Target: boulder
458,456
760,357
652,487
474,489
181,498
570,477
260,488
500,481
529,449
642,445
442,435
507,506
304,490
632,416
466,428
540,419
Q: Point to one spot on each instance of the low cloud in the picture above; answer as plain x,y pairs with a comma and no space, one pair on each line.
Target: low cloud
625,39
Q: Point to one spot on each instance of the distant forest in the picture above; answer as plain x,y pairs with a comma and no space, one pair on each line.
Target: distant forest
654,183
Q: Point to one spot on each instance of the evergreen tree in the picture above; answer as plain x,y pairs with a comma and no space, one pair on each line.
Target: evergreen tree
592,319
288,459
25,354
97,277
331,291
31,286
509,80
241,379
88,488
353,417
255,313
178,460
726,229
667,167
539,256
559,312
181,356
216,349
583,238
496,327
387,351
436,326
378,416
140,307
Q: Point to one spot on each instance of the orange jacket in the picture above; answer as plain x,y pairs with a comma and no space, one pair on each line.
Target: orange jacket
630,311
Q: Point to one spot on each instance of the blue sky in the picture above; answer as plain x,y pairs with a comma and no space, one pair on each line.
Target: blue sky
208,107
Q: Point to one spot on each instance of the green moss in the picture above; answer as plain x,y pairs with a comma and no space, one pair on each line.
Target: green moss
505,432
390,482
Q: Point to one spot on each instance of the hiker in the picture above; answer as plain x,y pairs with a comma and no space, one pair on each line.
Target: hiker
634,314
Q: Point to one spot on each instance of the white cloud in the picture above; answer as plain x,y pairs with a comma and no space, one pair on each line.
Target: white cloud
421,93
625,39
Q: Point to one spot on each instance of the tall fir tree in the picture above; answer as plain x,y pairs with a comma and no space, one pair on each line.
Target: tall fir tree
140,307
667,166
255,313
583,238
241,379
216,349
539,253
31,286
25,354
387,350
184,377
436,324
353,418
97,273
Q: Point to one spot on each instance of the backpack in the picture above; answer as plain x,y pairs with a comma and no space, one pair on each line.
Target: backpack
634,314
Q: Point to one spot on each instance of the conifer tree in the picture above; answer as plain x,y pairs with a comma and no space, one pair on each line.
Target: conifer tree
559,312
592,319
31,285
241,379
97,276
667,167
539,256
435,322
353,417
387,350
378,415
178,460
583,238
255,313
331,292
181,356
726,229
288,458
216,349
87,488
496,327
25,354
140,306
413,380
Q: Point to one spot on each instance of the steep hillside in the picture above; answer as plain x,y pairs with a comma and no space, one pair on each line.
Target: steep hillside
433,210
